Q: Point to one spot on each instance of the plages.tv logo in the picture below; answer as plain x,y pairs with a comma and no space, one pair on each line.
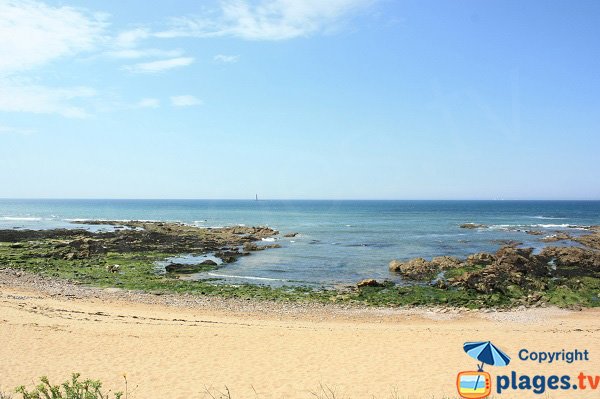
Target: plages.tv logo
478,384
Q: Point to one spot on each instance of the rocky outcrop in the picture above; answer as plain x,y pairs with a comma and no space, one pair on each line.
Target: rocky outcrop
534,232
290,235
591,240
182,268
141,236
368,283
445,262
482,258
414,269
250,246
472,226
573,261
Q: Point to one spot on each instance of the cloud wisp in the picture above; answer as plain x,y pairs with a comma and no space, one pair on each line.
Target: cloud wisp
226,59
185,101
33,34
160,65
266,20
37,99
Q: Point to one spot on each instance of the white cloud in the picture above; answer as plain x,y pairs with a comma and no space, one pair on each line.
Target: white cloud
32,33
159,66
130,38
25,97
185,101
226,59
143,53
266,20
148,103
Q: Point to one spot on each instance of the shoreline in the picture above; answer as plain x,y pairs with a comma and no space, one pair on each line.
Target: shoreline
21,281
147,256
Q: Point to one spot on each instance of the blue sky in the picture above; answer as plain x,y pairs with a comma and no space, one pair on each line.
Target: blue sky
360,99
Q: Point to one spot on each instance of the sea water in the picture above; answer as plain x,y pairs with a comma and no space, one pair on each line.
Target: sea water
338,242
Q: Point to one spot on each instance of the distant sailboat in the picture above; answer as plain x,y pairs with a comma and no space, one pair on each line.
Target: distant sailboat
256,197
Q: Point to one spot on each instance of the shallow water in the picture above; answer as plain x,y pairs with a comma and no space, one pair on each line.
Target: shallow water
339,242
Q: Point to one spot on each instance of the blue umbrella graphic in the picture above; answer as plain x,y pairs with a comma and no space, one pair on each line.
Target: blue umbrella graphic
486,353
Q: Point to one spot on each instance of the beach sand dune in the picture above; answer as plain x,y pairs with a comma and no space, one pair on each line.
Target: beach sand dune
175,352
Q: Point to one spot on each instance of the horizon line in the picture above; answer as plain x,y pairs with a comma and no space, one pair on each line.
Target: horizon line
287,199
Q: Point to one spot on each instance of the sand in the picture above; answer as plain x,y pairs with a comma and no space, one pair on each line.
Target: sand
180,352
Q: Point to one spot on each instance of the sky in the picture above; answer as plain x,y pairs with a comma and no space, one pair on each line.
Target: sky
300,99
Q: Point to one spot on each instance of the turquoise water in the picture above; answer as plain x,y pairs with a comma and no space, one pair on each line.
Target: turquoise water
339,242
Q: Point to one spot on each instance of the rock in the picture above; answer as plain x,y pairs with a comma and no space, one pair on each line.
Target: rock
573,261
534,232
446,262
394,265
113,268
472,226
182,268
16,245
209,262
369,283
482,258
228,256
290,235
512,270
414,269
250,246
521,260
590,240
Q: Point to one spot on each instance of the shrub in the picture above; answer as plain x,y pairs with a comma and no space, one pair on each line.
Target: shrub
73,389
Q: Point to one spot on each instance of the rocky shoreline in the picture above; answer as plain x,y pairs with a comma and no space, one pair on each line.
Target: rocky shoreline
126,257
227,243
513,270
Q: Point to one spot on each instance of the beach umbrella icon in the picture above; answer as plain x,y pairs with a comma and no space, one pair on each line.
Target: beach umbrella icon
486,353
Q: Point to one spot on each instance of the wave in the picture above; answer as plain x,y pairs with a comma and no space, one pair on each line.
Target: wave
246,277
20,218
269,239
544,217
520,227
110,220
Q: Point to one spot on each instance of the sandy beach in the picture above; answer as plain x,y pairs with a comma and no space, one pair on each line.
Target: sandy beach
178,347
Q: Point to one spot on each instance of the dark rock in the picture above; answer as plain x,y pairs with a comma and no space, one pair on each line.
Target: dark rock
591,240
209,262
290,235
481,258
534,232
472,226
250,246
182,268
573,261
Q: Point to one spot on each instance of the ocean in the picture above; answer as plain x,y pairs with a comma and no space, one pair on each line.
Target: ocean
338,242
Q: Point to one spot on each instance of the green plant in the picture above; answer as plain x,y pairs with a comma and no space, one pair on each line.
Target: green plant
73,389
